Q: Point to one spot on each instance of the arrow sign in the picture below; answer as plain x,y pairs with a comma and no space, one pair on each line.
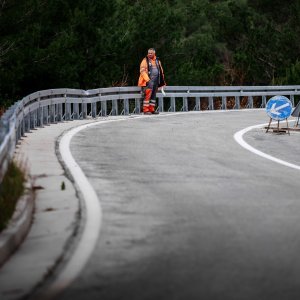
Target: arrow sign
279,108
275,110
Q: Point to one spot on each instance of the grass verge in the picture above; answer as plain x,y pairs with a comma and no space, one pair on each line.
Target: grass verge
11,189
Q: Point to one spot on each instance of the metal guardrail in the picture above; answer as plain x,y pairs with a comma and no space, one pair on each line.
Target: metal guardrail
51,106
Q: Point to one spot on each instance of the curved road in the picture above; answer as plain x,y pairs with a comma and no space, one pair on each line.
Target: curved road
188,213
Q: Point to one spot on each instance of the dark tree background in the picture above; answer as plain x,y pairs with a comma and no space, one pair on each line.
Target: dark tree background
97,43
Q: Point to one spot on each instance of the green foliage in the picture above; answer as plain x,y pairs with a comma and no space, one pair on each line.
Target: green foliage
11,188
96,43
292,75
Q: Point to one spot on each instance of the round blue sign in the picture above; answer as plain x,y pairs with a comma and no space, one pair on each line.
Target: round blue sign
279,108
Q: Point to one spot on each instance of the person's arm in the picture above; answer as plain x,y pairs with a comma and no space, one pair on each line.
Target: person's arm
144,70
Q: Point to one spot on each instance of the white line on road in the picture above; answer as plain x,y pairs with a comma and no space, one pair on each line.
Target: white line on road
238,136
93,217
92,226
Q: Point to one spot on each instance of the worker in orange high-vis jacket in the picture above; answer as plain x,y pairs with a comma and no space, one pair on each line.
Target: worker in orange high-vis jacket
151,78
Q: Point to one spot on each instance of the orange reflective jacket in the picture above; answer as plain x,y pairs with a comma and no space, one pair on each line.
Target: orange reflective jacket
145,72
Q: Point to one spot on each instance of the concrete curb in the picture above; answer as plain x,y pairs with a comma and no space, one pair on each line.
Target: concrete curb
53,218
18,227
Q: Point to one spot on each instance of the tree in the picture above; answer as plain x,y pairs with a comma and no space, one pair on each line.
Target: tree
96,43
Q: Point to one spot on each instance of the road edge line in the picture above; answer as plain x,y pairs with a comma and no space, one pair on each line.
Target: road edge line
238,136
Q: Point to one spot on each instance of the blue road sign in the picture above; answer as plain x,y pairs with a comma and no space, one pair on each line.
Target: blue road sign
279,108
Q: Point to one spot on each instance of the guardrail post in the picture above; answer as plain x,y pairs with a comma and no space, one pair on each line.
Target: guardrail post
292,100
94,109
137,109
126,107
184,104
160,104
76,111
12,140
18,130
114,110
28,122
23,124
211,103
36,118
104,108
250,102
173,104
59,112
52,112
198,104
84,109
31,120
224,102
237,104
40,115
55,108
46,114
67,111
263,102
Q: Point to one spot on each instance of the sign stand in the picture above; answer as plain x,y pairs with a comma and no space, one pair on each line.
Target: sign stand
277,129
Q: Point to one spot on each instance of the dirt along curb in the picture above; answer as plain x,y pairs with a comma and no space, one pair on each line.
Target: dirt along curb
18,226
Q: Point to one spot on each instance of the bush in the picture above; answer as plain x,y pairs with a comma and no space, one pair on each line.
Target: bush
11,189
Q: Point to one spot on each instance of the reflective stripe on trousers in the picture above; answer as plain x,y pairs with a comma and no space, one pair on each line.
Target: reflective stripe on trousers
149,103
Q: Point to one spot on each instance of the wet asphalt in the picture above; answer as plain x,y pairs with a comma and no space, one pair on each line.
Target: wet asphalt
190,214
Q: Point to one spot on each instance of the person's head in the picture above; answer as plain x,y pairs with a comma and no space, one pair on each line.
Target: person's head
151,53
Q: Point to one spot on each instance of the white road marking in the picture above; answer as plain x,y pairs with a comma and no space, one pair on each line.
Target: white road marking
93,217
92,227
238,136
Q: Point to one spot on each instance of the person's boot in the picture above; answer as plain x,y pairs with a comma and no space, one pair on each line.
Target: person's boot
155,112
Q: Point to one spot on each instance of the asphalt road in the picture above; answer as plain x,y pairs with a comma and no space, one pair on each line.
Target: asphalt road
190,214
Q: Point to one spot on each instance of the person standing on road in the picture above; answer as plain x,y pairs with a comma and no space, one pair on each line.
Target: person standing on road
151,78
